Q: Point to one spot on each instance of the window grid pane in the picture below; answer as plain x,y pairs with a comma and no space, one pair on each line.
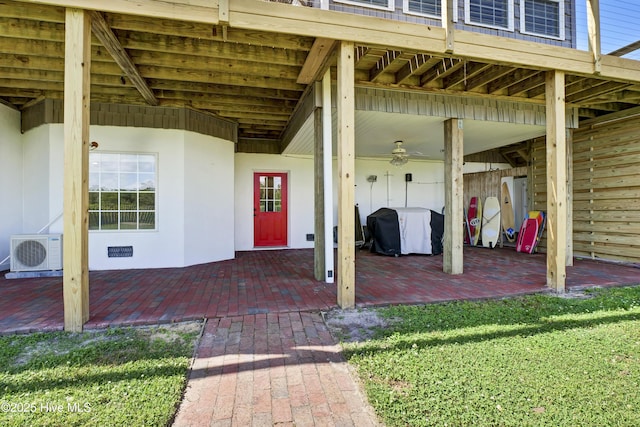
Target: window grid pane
490,12
542,17
427,7
379,3
270,194
122,191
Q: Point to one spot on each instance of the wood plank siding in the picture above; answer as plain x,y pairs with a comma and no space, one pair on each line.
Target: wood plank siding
487,184
50,111
606,187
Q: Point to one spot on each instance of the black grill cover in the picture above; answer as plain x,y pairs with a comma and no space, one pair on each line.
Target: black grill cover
437,231
385,232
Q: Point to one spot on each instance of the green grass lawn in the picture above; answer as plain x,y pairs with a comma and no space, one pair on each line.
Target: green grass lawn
114,377
532,361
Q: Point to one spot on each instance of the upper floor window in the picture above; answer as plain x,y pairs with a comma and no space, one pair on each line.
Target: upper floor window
376,4
430,8
122,191
542,17
490,13
423,7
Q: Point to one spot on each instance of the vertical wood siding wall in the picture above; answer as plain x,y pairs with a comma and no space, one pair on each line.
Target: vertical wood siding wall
487,184
51,111
606,189
606,159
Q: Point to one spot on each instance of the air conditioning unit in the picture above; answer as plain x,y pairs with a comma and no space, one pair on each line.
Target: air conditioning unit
36,252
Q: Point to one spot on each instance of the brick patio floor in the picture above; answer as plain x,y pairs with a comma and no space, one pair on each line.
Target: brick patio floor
266,356
264,282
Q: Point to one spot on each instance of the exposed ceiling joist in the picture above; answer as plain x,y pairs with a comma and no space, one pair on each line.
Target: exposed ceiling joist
317,61
109,40
417,65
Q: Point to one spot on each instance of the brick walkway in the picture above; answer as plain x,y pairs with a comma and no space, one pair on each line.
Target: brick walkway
275,369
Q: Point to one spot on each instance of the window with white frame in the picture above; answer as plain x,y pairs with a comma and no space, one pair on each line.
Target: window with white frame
490,13
429,8
375,4
122,191
542,17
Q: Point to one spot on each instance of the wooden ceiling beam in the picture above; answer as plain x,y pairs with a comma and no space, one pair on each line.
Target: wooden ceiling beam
36,62
417,65
167,9
367,57
31,30
527,84
383,64
219,77
608,107
258,122
37,12
314,22
47,49
209,48
226,109
317,61
200,31
31,84
188,63
510,79
445,67
461,76
264,117
595,91
215,89
225,99
488,76
102,31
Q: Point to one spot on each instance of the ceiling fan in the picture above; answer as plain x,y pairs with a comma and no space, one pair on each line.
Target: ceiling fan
399,155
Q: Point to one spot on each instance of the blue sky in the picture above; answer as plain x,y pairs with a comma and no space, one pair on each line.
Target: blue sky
619,22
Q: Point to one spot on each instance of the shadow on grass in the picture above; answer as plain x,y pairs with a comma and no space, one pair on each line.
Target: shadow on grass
14,385
49,361
523,316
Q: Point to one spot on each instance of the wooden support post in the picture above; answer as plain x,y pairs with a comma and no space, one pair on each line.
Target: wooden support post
318,193
77,68
453,197
346,168
593,33
448,25
556,181
569,254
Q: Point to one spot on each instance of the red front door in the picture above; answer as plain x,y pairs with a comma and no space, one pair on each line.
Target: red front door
269,209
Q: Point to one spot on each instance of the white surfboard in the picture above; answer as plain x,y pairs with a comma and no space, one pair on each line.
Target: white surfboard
491,222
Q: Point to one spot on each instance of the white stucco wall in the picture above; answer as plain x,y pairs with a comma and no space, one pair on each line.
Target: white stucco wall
300,193
36,171
208,196
163,247
191,168
11,180
425,190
